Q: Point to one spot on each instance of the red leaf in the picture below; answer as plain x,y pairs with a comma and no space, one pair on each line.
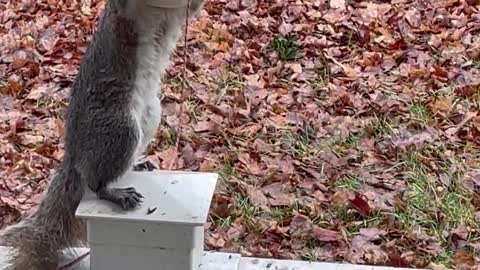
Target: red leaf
360,205
440,71
222,206
396,261
466,90
463,260
17,124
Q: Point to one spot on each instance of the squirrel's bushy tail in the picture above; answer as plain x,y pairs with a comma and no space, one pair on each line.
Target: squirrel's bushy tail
39,238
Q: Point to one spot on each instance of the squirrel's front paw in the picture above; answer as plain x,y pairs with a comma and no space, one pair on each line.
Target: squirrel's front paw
127,198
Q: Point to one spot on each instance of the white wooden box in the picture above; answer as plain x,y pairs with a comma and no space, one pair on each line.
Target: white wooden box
171,237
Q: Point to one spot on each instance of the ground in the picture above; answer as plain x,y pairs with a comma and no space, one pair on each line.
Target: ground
342,130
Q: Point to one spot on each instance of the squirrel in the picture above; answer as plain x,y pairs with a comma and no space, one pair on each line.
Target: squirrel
112,115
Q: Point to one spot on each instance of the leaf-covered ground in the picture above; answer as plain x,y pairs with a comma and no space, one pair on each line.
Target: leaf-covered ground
342,130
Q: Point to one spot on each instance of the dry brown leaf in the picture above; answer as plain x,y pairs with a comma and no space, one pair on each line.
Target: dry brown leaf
325,235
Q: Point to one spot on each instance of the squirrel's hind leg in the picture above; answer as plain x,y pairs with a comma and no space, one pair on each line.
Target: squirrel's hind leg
111,161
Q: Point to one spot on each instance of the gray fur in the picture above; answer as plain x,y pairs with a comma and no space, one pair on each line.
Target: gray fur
112,115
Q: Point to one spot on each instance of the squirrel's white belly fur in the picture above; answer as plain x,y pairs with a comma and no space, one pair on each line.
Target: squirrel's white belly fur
146,109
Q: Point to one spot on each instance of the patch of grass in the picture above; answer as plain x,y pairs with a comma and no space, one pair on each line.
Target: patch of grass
42,103
323,74
420,113
422,208
248,211
171,136
352,223
407,220
55,107
286,46
412,163
226,173
353,140
223,222
299,207
350,220
230,144
323,77
445,258
436,152
308,254
299,143
236,83
310,249
380,126
351,40
352,228
339,151
422,197
385,126
457,208
430,204
280,213
226,83
418,191
324,218
349,182
230,140
192,109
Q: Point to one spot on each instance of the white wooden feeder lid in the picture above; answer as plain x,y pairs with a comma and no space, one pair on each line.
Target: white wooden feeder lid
179,197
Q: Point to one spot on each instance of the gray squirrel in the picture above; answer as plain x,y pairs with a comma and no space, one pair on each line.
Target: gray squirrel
113,114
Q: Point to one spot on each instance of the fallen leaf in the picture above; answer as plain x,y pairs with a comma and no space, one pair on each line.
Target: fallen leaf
171,160
19,63
464,260
257,197
360,205
413,17
325,235
297,68
468,116
42,91
222,206
203,126
299,224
